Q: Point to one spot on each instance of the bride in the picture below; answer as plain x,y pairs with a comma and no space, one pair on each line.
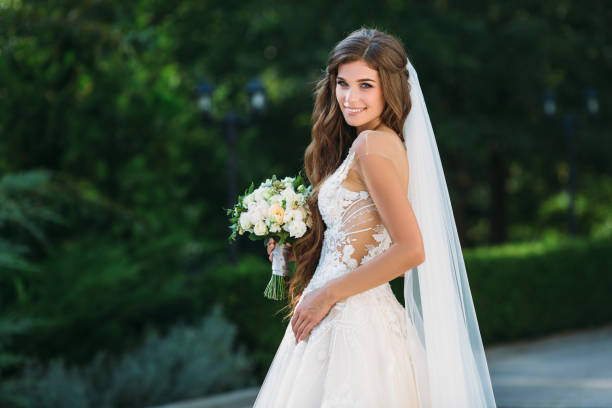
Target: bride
380,210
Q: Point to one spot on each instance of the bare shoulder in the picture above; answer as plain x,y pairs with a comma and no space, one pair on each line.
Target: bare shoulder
368,139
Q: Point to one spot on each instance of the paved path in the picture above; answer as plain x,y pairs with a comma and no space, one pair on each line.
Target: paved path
565,370
569,370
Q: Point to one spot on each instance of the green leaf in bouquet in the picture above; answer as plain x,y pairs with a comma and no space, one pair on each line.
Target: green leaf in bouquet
297,180
254,237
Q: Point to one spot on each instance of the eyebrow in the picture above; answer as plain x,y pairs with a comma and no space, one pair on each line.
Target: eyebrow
360,80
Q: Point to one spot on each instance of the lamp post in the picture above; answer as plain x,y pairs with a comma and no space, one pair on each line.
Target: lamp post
569,121
231,123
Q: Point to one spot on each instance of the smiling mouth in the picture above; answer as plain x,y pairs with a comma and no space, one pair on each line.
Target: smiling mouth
353,110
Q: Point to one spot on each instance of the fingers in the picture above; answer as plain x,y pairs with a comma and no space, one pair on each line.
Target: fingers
301,326
270,247
305,332
294,319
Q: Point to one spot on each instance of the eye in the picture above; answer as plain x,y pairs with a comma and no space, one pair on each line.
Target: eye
342,83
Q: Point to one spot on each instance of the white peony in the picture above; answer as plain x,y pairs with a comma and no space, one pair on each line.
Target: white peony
291,198
276,199
297,229
291,216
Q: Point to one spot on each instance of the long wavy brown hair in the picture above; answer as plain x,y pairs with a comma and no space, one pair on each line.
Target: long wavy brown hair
332,136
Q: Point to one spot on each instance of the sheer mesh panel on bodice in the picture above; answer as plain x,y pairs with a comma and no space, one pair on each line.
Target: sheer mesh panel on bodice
355,232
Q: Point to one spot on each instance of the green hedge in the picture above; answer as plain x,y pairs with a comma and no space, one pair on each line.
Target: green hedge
530,289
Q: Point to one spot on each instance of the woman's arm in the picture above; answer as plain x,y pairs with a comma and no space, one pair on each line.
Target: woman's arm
380,176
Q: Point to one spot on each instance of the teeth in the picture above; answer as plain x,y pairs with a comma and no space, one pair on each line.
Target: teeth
354,110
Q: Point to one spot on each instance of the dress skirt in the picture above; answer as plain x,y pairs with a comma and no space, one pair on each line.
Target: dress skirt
358,356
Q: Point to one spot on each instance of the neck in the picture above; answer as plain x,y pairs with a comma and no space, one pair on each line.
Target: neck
369,126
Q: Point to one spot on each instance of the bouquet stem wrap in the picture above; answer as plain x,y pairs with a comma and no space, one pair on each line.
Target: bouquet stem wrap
277,287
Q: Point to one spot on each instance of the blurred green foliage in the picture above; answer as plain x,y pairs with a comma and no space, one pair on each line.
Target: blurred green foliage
112,187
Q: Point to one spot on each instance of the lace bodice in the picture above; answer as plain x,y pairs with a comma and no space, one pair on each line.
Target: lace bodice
355,232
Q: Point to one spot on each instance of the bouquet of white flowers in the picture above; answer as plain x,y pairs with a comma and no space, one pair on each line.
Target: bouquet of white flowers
277,209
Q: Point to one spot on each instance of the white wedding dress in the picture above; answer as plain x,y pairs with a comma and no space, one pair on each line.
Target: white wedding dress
358,355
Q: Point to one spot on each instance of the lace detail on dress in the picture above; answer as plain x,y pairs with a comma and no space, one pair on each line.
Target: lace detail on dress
384,242
354,234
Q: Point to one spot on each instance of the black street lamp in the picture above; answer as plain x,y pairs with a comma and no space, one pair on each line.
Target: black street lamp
257,97
569,121
231,123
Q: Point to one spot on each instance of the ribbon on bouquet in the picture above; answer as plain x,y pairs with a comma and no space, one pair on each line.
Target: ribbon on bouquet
277,287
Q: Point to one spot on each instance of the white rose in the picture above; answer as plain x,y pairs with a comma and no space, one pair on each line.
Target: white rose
275,228
248,199
260,228
262,209
245,221
257,194
253,213
253,217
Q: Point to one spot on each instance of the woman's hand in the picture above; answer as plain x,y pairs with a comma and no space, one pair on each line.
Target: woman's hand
313,307
272,244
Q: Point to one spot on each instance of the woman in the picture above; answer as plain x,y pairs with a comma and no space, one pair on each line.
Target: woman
380,210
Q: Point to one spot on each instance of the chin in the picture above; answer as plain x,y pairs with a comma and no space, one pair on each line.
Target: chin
356,123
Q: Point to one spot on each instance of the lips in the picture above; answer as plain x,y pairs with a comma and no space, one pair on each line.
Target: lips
354,110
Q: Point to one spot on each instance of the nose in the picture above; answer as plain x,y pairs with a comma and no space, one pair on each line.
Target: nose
347,98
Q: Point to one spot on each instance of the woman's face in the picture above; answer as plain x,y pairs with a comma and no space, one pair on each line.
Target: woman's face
359,95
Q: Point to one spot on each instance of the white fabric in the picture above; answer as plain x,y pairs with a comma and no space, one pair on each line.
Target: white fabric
369,351
437,295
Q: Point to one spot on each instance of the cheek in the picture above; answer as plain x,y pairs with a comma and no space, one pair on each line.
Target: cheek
339,94
377,100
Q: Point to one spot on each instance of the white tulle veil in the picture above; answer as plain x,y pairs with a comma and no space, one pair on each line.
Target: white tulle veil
449,358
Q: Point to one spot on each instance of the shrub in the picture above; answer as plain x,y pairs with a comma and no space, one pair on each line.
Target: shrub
185,363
